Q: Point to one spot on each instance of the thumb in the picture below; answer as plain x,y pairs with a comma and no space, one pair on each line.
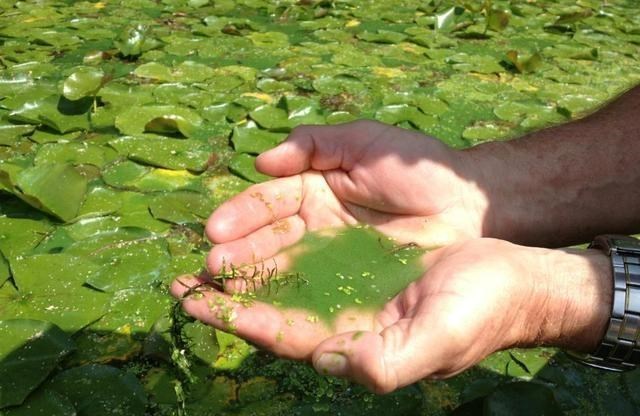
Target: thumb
381,361
319,148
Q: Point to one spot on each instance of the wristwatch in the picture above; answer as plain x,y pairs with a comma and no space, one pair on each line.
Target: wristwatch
620,348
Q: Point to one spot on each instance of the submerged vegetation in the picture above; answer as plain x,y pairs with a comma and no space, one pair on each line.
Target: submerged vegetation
123,124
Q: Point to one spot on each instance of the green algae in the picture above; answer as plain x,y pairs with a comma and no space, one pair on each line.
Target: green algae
355,268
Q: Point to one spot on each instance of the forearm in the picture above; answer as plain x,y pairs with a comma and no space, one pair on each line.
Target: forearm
563,185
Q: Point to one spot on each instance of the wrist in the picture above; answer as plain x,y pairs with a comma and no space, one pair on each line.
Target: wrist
575,300
513,193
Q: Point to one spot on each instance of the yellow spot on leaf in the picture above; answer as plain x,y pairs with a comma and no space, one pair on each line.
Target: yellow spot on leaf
388,72
260,96
125,329
352,23
411,48
32,19
99,5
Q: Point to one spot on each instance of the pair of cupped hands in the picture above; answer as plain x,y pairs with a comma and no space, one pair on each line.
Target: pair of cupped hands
477,296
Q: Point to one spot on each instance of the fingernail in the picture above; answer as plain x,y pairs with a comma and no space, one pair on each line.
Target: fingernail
332,364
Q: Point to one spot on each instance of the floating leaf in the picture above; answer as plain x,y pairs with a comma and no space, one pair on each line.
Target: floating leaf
203,343
526,65
269,40
42,402
100,390
575,105
136,263
382,36
339,117
42,137
232,351
54,112
158,119
244,165
187,72
338,84
9,133
520,398
51,289
572,17
395,114
483,64
83,82
74,153
42,187
484,131
29,351
431,105
135,40
131,175
497,19
478,389
181,207
120,333
271,117
445,21
5,272
165,153
255,141
154,70
20,235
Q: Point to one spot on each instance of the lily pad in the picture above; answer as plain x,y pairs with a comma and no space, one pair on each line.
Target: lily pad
158,119
119,335
382,36
165,153
485,131
74,153
521,398
42,187
181,207
50,288
272,118
29,351
41,137
128,264
5,272
187,72
395,114
83,82
10,132
339,117
100,390
338,84
133,176
244,165
42,402
135,40
254,140
53,112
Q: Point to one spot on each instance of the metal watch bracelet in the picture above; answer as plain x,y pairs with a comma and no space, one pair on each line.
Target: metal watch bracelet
620,350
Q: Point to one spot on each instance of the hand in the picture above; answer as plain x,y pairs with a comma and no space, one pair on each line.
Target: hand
407,185
476,297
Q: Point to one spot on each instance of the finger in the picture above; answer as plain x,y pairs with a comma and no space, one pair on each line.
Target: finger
254,208
256,246
320,148
286,333
383,362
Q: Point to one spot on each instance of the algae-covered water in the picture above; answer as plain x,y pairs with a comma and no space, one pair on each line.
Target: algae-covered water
354,267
